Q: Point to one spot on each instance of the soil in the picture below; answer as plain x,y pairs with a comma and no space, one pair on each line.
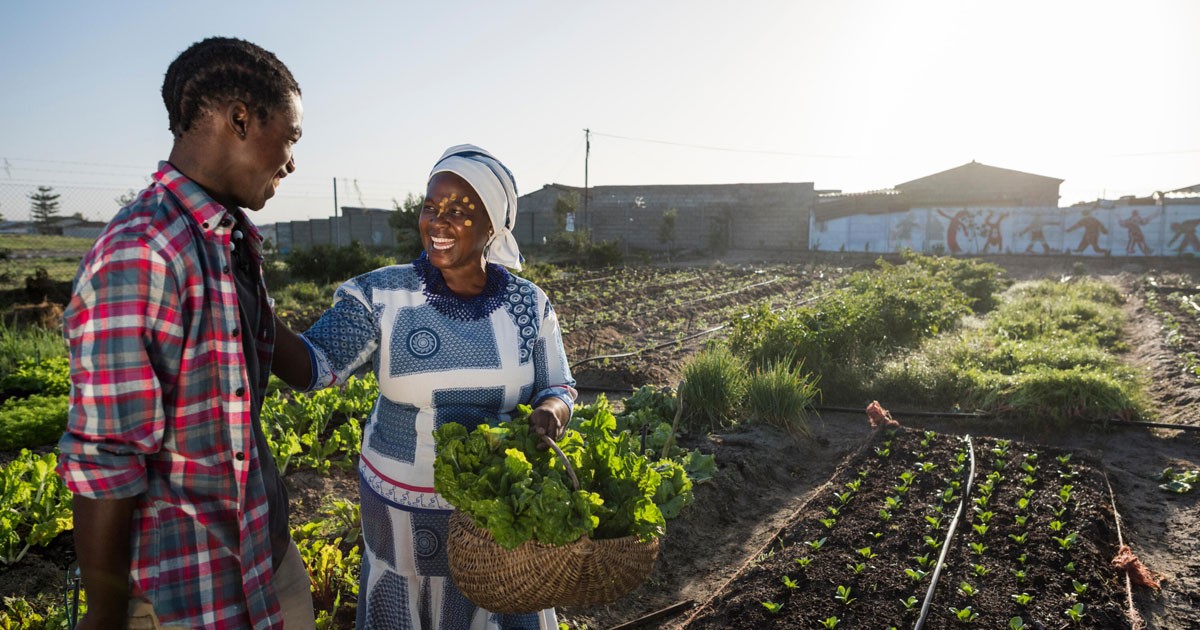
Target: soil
767,483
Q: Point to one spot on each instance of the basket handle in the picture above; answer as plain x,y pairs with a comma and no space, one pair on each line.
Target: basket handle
566,462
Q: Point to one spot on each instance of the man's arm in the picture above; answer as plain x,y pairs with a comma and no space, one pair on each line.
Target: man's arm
292,363
102,545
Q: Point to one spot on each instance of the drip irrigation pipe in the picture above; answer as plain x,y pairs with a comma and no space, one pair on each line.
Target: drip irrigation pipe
669,611
962,504
981,415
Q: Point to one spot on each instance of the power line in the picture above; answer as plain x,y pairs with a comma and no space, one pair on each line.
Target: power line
728,149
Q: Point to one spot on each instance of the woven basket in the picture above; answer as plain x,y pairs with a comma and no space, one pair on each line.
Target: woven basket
535,576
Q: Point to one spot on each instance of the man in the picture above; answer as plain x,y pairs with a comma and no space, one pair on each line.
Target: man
181,517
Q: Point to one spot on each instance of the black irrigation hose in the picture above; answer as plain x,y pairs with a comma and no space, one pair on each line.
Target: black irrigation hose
937,571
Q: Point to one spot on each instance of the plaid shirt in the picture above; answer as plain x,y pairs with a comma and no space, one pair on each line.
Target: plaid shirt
159,407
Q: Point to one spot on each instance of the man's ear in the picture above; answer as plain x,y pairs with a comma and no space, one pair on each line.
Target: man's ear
237,118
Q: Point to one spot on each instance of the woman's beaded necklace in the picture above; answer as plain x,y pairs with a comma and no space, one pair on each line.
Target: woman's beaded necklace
441,298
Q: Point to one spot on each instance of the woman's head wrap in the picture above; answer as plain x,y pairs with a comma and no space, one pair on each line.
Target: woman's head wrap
497,190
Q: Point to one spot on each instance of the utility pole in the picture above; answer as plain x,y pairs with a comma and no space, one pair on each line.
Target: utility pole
587,152
335,215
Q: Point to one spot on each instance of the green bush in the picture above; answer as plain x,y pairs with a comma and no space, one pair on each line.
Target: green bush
780,395
326,263
49,376
714,386
982,282
33,421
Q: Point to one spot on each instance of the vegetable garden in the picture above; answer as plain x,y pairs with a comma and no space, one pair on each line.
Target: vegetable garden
783,510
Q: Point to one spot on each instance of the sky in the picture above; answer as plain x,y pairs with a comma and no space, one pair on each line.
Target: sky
851,95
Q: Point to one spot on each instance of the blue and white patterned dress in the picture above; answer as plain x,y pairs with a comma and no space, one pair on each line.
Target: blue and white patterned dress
438,359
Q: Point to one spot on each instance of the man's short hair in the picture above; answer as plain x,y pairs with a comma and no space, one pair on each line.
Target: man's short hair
223,69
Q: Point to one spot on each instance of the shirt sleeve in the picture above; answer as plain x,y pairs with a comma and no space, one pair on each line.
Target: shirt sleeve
124,330
552,374
344,338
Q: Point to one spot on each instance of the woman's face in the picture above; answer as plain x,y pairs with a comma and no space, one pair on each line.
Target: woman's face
454,225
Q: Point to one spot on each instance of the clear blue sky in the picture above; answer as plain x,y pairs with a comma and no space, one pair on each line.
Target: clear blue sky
852,95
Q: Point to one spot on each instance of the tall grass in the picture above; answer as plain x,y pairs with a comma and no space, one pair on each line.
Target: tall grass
713,388
781,395
17,343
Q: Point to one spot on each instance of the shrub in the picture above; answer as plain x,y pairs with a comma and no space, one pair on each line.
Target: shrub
713,387
49,376
326,263
780,395
980,281
32,421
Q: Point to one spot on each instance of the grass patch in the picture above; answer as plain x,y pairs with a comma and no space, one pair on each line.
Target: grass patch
19,344
36,243
714,385
1050,352
780,395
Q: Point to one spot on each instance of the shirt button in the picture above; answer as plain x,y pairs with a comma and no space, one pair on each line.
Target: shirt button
226,270
204,225
241,391
225,222
235,332
239,456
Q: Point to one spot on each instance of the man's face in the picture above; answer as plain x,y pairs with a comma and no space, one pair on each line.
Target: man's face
265,156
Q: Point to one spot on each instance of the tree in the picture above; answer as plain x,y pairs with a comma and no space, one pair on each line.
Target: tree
404,222
666,230
564,206
45,204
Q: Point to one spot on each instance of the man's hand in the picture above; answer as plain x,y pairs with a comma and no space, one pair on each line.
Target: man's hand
103,549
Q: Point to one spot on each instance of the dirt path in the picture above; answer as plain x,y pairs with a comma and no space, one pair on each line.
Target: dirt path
764,479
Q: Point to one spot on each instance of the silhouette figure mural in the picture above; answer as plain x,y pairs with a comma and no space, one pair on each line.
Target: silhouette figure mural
1185,233
1133,226
958,223
1037,234
1092,229
903,233
991,227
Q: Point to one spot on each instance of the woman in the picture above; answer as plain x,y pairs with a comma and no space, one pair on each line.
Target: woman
453,337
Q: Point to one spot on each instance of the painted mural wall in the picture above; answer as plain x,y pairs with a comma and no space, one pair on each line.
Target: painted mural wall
1151,230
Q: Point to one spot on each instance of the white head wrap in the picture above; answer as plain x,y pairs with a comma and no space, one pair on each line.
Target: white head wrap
497,190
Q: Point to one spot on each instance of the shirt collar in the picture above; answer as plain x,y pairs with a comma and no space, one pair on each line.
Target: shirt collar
210,215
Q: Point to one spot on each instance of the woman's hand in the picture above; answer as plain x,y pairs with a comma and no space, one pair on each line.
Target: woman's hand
550,418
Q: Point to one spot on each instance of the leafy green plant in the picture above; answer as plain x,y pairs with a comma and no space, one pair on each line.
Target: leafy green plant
909,603
815,545
774,608
977,548
830,622
1023,599
843,595
1075,613
916,575
35,505
1016,623
965,615
967,589
1068,541
789,582
1079,587
33,421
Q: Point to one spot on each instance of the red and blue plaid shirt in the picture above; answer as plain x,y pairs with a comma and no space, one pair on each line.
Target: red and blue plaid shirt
160,407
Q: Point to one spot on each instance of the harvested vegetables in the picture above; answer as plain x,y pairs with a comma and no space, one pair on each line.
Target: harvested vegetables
518,493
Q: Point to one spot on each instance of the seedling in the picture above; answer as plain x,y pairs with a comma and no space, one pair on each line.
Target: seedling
1069,567
828,522
1020,574
980,528
774,608
789,582
866,552
844,497
927,466
830,622
843,595
966,589
815,545
1056,526
907,477
999,464
1063,460
1068,541
875,535
1064,493
854,485
885,515
982,502
1023,599
1021,538
1080,587
1075,613
833,510
983,516
1021,520
1022,504
1028,481
857,569
1016,623
909,603
892,503
932,542
980,570
965,615
1022,558
901,489
924,560
916,575
948,495
1028,468
883,452
934,521
977,548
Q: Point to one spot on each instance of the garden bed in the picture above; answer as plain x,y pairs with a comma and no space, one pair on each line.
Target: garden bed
882,556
